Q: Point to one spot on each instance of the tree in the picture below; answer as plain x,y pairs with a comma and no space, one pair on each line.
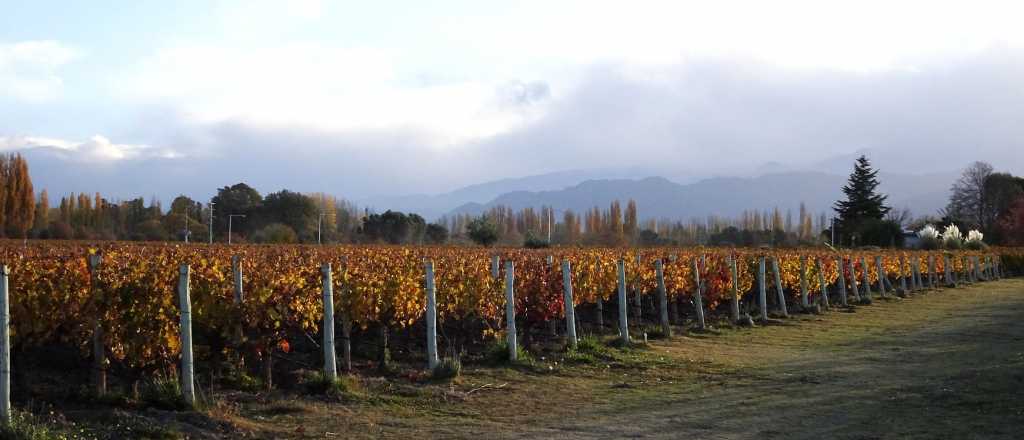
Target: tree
394,227
20,206
292,209
42,217
436,234
277,233
235,199
1011,224
862,202
968,197
482,231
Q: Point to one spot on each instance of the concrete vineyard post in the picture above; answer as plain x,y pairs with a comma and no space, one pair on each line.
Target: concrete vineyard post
867,278
841,280
495,266
510,310
623,319
5,348
698,301
882,276
977,268
432,360
570,312
915,274
762,292
778,287
821,282
346,322
803,283
734,290
330,362
185,305
236,274
659,269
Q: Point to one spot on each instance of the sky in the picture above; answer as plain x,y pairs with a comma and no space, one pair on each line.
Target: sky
365,99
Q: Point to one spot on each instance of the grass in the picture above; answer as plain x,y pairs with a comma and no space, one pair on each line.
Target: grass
25,426
941,365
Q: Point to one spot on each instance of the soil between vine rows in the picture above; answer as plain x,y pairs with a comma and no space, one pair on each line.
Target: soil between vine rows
944,364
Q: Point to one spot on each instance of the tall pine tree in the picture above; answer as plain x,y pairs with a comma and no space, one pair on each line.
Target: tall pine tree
862,202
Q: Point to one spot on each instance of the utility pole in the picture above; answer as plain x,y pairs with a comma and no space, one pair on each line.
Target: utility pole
186,225
319,224
833,228
211,222
230,218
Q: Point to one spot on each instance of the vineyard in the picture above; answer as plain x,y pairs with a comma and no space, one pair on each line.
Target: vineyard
117,305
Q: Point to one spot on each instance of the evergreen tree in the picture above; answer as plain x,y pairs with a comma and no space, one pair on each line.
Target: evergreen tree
862,202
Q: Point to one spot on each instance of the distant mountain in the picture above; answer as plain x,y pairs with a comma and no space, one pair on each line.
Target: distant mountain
658,197
432,206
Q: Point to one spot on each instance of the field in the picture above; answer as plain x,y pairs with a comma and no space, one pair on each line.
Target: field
257,354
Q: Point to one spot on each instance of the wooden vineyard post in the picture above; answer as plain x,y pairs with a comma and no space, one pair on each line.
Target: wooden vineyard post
803,283
623,319
570,312
881,275
821,283
698,301
99,357
867,278
947,267
185,306
853,280
330,361
903,277
762,291
734,290
346,321
915,274
778,287
666,327
841,280
638,311
5,348
932,277
432,359
510,310
599,304
495,266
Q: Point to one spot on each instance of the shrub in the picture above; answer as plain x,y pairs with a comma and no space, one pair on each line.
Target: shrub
534,242
449,368
497,353
277,233
319,383
26,427
482,232
164,393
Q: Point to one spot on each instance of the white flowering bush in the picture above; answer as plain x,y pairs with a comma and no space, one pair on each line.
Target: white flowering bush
929,238
974,240
952,238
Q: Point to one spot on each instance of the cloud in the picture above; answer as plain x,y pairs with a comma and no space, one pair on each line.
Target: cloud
324,88
698,118
28,69
98,149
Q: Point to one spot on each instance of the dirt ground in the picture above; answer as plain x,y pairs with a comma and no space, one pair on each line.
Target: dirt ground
945,364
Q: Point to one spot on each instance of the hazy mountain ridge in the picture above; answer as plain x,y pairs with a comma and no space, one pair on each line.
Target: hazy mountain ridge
658,197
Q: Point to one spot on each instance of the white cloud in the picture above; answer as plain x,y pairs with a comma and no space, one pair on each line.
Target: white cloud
28,69
96,149
324,88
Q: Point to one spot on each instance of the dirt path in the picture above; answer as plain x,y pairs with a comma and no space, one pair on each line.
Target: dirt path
942,365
